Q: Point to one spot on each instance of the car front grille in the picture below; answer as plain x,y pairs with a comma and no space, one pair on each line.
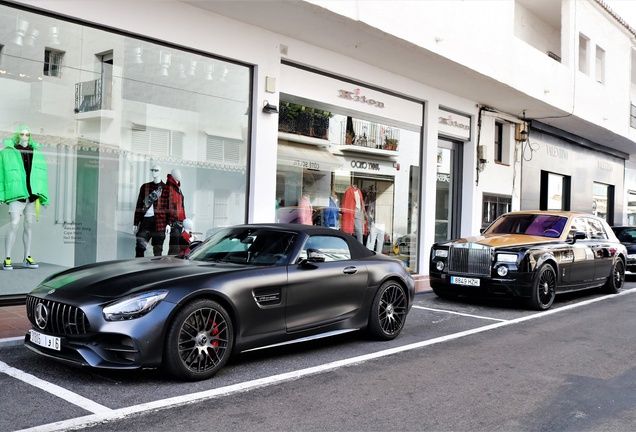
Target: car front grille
56,318
475,261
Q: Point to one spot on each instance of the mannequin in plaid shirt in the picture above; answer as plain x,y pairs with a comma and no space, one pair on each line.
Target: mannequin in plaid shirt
151,214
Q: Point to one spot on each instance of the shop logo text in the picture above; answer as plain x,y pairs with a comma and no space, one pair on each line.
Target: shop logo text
356,97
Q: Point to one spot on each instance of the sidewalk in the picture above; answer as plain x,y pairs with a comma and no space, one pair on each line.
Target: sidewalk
13,325
14,322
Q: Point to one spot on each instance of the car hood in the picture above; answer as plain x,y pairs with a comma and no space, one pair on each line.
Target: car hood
503,240
117,278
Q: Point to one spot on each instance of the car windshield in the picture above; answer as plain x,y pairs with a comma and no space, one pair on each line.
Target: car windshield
529,224
254,246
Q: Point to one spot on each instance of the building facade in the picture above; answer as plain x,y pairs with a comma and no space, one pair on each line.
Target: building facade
400,125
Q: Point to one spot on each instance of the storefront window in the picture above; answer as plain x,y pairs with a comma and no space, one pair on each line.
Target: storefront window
603,201
631,208
117,119
555,191
350,173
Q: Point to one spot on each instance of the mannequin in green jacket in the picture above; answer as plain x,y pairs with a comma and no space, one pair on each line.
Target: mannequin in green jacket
24,186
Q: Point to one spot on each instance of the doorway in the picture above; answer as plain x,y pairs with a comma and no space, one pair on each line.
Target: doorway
448,191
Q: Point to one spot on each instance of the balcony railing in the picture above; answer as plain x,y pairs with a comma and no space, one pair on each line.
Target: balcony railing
370,135
88,96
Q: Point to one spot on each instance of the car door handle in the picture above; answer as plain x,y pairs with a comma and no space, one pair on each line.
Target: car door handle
350,270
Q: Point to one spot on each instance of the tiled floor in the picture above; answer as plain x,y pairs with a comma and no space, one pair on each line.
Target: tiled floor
14,321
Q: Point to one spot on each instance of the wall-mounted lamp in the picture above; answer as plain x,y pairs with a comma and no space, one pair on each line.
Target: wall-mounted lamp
54,35
522,133
523,136
270,109
21,28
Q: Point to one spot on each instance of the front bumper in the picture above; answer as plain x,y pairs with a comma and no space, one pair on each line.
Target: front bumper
517,284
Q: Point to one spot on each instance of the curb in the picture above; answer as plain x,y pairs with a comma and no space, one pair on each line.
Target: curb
11,342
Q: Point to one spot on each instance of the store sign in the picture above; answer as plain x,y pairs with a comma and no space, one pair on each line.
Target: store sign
443,178
311,165
605,166
372,166
556,152
357,97
454,125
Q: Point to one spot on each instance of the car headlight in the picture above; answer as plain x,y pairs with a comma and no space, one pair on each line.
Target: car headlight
133,307
507,258
441,253
631,256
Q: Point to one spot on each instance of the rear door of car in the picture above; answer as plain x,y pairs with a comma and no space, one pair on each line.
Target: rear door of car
578,269
324,292
602,248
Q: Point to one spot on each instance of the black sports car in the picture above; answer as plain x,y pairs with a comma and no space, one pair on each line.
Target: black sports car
532,255
627,236
245,287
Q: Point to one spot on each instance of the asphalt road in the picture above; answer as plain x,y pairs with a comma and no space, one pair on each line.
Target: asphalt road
458,366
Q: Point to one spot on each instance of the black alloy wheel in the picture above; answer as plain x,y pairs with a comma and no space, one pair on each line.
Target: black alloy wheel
388,311
544,288
616,280
199,341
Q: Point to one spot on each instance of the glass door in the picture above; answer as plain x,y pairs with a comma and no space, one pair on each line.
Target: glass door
447,196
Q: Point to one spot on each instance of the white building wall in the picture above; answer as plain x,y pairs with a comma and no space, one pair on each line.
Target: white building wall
479,34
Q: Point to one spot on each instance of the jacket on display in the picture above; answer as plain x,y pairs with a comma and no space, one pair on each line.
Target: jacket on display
348,208
13,176
176,201
160,204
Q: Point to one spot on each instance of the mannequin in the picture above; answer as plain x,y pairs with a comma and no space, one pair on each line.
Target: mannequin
151,213
332,212
176,212
353,214
186,237
376,233
24,186
305,211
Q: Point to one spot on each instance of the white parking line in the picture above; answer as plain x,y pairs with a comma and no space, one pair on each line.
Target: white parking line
54,389
110,415
459,313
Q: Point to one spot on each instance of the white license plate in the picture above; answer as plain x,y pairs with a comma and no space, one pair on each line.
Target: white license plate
464,281
45,341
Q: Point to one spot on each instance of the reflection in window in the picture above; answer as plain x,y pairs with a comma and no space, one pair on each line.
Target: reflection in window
555,191
53,63
603,201
494,206
631,208
333,248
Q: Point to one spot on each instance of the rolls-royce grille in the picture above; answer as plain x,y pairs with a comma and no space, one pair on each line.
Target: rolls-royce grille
56,318
470,260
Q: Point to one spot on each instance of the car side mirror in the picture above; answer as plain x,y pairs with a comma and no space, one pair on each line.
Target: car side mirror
578,235
313,256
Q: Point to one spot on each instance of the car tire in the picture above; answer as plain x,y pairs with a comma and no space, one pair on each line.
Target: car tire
388,311
199,340
543,288
616,280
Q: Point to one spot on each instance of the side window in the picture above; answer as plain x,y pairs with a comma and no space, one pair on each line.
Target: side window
627,236
596,229
333,248
579,225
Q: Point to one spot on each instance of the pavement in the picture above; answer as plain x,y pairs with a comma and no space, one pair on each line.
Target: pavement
14,323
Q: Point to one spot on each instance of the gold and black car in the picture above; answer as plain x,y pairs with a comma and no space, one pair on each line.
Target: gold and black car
532,255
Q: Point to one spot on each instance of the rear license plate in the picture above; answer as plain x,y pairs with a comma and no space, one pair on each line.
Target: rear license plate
45,341
464,281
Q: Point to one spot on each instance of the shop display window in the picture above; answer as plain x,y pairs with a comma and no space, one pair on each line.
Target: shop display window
126,129
351,173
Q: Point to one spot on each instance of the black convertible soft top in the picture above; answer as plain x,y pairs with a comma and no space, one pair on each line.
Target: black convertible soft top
358,250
